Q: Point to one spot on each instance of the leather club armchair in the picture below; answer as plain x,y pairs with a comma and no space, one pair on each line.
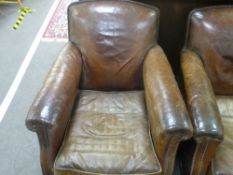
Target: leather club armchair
207,64
110,103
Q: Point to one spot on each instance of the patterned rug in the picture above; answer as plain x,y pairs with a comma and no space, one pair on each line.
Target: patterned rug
57,27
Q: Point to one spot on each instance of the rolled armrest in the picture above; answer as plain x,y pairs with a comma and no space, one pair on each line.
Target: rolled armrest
168,117
54,102
50,112
200,98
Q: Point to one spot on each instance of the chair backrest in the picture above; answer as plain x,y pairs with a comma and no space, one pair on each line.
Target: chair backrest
210,35
113,38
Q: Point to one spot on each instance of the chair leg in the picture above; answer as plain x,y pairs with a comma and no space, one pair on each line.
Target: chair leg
170,155
195,156
45,158
202,156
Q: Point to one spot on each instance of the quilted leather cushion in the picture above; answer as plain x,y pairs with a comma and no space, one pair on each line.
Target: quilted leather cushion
109,134
222,163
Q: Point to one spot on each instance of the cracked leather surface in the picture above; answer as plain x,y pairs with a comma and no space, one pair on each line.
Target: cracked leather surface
109,134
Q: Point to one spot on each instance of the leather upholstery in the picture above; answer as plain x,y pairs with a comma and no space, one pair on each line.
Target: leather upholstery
167,112
200,98
222,162
208,129
109,134
113,45
50,111
118,57
207,64
63,78
211,36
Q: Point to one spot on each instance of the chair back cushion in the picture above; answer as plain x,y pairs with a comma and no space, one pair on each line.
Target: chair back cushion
210,34
113,38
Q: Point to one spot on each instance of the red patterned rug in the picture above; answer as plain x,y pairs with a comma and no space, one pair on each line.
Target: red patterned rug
57,27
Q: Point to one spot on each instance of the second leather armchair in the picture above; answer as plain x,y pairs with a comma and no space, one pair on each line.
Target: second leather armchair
208,76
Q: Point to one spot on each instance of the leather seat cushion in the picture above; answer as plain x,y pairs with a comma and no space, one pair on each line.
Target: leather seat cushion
223,160
108,134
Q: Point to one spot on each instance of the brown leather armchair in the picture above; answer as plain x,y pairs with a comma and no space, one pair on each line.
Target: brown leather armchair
110,103
207,64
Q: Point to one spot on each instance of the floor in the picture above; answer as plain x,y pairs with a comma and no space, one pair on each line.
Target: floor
19,149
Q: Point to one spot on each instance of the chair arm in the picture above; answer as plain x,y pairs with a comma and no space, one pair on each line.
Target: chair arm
200,98
54,102
50,112
208,129
168,117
